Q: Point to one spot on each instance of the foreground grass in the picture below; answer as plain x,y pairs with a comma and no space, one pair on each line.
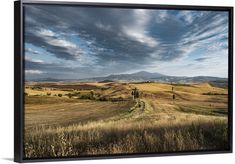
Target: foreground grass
111,138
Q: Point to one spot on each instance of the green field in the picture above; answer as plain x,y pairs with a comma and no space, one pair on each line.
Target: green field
77,119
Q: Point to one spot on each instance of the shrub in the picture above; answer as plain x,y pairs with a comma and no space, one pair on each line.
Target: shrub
85,97
48,93
69,95
60,95
36,88
103,99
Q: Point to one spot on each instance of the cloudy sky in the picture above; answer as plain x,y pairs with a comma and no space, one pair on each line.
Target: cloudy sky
68,42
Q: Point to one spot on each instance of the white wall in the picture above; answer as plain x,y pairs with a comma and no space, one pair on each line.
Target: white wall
6,94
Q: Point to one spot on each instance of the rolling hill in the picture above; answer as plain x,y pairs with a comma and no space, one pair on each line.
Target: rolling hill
143,76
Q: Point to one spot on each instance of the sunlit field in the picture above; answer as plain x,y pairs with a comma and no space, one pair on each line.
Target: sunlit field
77,119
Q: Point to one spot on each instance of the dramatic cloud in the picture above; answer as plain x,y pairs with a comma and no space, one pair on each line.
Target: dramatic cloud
79,42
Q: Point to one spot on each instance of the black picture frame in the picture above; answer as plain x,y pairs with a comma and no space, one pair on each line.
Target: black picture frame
19,78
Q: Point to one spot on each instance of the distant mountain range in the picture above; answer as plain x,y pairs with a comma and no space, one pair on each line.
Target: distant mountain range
143,76
147,76
138,76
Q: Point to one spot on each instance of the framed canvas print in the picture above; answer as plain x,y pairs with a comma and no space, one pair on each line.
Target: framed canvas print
98,80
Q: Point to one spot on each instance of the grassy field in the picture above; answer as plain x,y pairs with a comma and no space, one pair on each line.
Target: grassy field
77,119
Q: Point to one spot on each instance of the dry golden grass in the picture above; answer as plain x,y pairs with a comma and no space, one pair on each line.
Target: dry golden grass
62,126
60,111
44,92
112,138
190,88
